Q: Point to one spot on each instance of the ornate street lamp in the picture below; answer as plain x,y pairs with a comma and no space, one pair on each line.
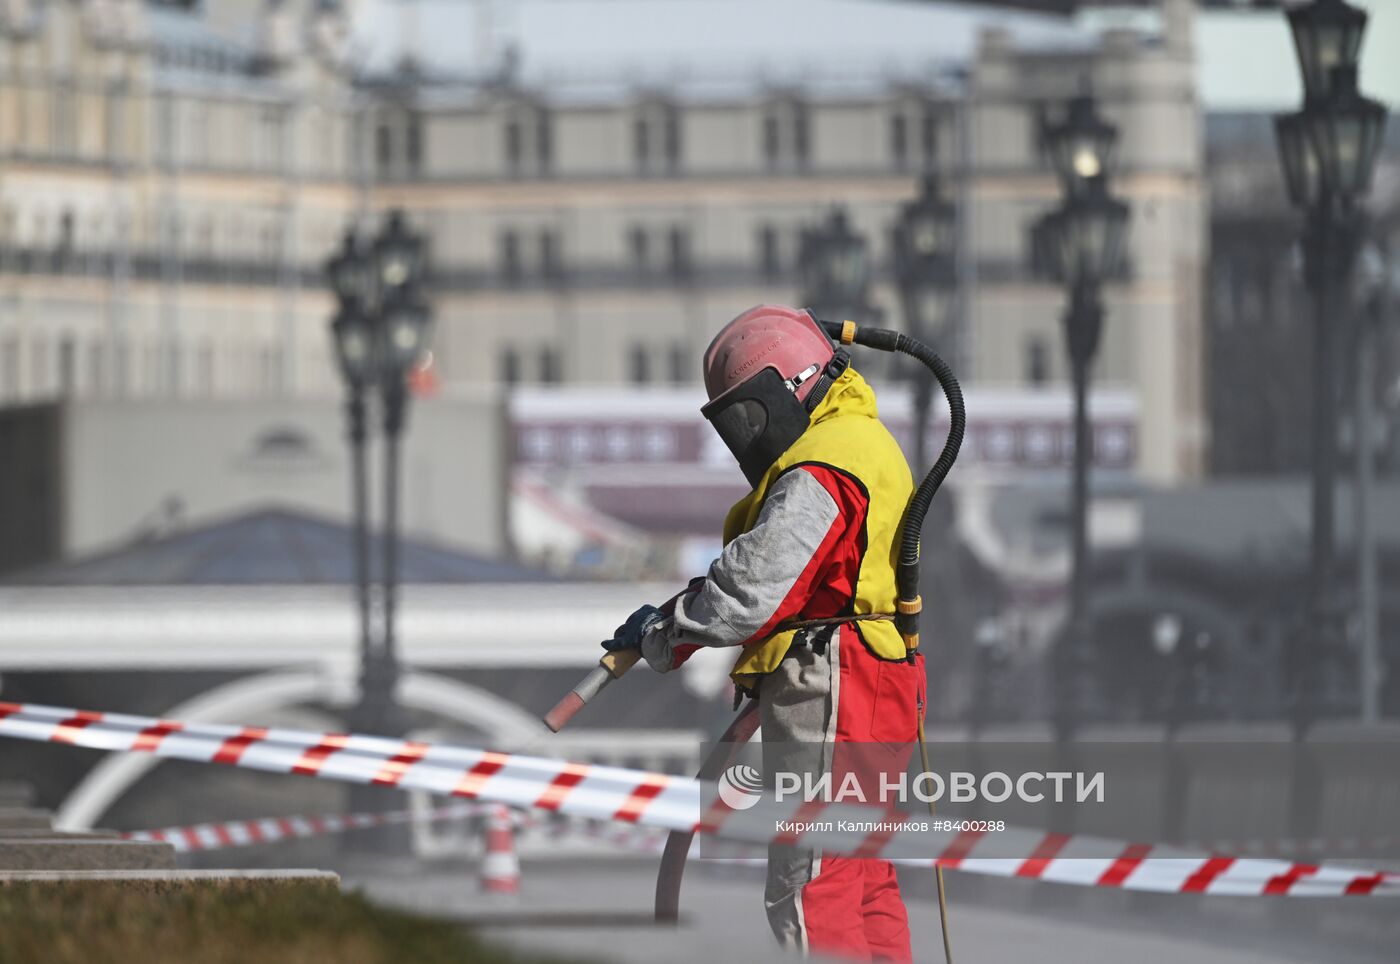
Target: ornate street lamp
398,256
1301,173
835,268
380,330
403,334
1345,136
1328,151
354,346
1378,291
350,273
356,351
1081,245
404,338
1081,146
1326,35
925,245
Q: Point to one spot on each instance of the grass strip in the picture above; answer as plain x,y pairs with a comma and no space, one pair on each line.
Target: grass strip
222,922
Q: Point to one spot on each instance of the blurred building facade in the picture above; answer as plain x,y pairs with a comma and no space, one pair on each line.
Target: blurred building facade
173,181
166,196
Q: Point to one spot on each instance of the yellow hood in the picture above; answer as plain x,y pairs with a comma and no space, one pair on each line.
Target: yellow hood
846,435
849,395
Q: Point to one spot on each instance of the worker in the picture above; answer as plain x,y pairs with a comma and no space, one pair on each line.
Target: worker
814,539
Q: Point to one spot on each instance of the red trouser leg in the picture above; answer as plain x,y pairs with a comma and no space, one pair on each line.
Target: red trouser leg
885,918
852,908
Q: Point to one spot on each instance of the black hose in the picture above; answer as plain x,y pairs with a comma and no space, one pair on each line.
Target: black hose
907,568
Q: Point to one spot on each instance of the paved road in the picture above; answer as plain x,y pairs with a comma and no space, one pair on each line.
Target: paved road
606,907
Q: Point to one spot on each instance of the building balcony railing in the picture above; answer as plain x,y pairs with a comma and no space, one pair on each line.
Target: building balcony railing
155,266
179,268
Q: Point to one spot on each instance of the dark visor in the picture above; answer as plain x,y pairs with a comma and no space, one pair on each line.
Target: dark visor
758,421
740,423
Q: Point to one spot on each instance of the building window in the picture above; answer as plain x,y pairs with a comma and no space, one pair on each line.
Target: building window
413,144
680,253
121,367
514,147
639,365
67,367
768,252
206,369
175,376
270,363
509,245
551,265
801,135
271,239
678,357
637,247
510,366
551,368
899,141
787,135
929,137
149,381
384,147
641,145
97,374
270,123
544,140
205,243
65,233
38,367
1037,361
64,122
656,139
672,138
772,145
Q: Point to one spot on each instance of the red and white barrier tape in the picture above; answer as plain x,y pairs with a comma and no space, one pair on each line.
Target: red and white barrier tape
222,835
247,833
213,836
1351,848
675,803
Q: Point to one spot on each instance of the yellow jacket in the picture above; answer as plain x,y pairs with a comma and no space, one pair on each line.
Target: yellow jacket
846,435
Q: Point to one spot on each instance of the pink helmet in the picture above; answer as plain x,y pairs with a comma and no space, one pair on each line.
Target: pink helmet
765,372
767,336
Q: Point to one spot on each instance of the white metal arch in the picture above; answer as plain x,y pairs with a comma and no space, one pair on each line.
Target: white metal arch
245,699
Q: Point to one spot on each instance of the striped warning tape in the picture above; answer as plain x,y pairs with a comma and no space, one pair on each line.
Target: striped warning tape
222,835
1211,875
246,833
1348,847
675,803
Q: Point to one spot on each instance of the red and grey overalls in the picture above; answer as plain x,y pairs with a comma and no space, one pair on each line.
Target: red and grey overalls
815,539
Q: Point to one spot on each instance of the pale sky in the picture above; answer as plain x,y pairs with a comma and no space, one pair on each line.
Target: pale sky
1246,60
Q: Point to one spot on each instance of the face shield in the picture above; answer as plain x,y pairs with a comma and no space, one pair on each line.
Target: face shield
759,420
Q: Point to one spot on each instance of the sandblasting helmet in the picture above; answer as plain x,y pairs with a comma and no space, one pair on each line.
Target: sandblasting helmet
764,373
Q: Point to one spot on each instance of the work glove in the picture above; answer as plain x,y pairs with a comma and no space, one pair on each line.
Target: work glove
629,635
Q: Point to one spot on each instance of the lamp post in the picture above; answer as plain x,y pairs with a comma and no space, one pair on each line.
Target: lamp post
354,343
1379,284
1328,150
380,330
835,267
1079,244
925,241
403,324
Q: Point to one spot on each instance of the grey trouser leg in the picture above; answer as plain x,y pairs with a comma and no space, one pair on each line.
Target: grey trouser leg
797,710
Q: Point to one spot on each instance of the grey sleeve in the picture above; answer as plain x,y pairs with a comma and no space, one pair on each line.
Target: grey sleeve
754,575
